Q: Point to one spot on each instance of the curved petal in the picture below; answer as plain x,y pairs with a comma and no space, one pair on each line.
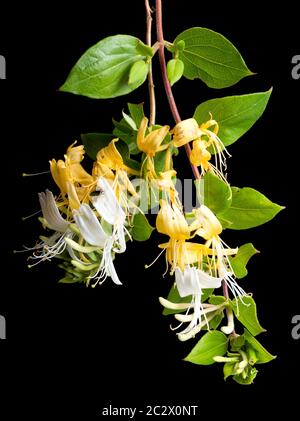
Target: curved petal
106,203
51,213
89,226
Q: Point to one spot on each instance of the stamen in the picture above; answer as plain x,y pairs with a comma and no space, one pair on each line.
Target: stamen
34,174
30,216
155,260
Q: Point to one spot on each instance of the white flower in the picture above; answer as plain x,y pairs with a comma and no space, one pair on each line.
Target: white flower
93,233
51,246
110,210
51,213
191,282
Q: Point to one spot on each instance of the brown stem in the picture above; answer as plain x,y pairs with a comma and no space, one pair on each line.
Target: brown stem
225,290
168,89
150,74
170,96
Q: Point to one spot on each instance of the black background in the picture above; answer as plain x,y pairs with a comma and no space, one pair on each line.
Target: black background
71,350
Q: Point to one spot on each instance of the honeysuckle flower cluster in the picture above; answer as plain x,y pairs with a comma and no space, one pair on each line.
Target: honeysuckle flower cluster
92,214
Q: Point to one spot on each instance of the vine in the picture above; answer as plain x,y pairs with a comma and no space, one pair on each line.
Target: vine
96,213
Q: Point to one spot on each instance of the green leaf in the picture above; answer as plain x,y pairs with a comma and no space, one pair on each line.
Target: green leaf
249,209
228,370
217,194
129,120
125,133
175,68
103,70
125,152
224,222
216,299
210,57
159,161
93,142
69,280
212,344
126,129
136,112
237,342
138,73
160,157
216,321
141,229
174,297
240,260
247,315
234,114
261,353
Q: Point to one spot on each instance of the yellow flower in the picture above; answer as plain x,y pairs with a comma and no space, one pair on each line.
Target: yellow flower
110,165
110,156
102,170
77,173
200,155
71,177
185,131
203,137
60,174
152,143
73,196
75,154
171,221
182,253
206,224
165,183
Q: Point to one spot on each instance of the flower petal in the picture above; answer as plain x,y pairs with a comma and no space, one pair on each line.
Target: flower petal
51,213
89,226
106,203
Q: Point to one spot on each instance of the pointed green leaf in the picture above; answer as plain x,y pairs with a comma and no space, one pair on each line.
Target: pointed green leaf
261,353
240,260
127,134
93,142
247,314
209,56
217,194
103,70
249,209
69,280
212,344
234,114
175,68
136,112
216,299
228,370
126,129
141,229
129,120
215,322
160,157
